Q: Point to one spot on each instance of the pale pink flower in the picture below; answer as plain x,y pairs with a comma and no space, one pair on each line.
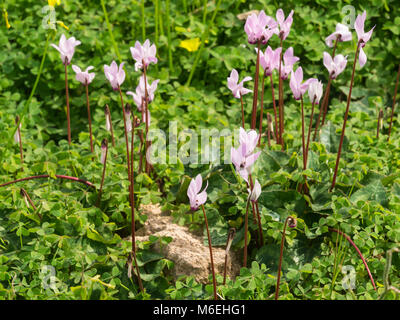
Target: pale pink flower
284,25
115,74
237,89
335,66
144,55
66,47
83,77
260,28
287,64
270,60
296,83
196,198
243,160
363,37
342,31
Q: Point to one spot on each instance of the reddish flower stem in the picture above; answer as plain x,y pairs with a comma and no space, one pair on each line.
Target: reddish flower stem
324,105
25,194
281,121
67,99
345,118
126,135
103,174
280,259
246,227
146,104
255,93
211,254
302,135
229,240
108,114
89,118
394,102
89,184
275,112
132,197
359,253
310,128
262,107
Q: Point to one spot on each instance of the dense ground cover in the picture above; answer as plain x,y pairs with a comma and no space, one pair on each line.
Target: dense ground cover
85,245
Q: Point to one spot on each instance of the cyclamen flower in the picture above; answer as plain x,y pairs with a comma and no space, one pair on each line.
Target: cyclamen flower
315,91
270,60
260,28
139,95
342,31
144,55
237,89
299,88
335,66
115,74
284,25
196,198
66,47
255,193
243,160
250,139
363,37
83,77
287,64
103,151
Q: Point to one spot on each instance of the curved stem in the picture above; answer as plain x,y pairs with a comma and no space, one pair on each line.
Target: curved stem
345,118
89,184
394,102
211,254
359,253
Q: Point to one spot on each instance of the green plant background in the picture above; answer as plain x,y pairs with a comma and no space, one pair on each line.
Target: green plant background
87,246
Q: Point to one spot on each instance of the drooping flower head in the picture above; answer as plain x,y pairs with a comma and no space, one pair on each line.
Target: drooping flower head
250,139
363,37
315,91
335,66
103,151
255,193
66,47
260,28
140,94
342,34
196,198
287,64
284,25
108,117
115,74
84,77
144,55
270,60
237,88
243,160
296,83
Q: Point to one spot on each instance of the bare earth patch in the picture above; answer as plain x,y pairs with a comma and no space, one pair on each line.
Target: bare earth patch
186,250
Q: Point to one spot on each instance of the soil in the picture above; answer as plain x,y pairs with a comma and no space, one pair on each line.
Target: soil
190,256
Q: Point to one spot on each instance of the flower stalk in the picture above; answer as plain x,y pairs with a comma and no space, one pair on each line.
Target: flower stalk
104,153
67,100
211,254
89,117
345,118
231,235
292,224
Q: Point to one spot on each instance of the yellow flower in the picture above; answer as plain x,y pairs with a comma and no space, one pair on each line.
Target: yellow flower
5,15
190,45
53,3
61,24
